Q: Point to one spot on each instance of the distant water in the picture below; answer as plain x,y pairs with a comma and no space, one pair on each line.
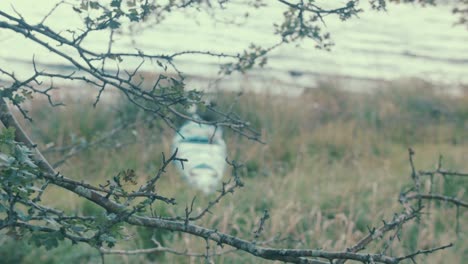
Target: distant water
408,41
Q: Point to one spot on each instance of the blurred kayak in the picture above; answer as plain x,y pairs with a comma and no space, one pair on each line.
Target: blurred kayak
204,148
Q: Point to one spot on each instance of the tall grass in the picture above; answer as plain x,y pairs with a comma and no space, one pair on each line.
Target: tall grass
333,166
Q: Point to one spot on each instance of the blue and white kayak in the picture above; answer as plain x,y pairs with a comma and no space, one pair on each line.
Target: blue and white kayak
204,148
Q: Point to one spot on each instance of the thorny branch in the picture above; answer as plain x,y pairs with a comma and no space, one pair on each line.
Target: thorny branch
89,67
439,197
409,213
416,193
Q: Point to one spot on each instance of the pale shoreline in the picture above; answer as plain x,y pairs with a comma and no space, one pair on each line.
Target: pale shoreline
407,42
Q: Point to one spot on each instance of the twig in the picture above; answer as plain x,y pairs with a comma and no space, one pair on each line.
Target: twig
439,197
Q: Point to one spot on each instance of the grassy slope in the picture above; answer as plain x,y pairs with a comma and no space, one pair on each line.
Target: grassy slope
334,164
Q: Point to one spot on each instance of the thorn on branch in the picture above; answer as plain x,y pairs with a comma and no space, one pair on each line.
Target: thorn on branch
260,228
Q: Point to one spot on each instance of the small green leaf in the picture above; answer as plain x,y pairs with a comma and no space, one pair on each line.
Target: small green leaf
94,5
116,3
114,24
77,229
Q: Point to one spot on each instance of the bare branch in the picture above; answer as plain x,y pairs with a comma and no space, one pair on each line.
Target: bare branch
160,248
438,197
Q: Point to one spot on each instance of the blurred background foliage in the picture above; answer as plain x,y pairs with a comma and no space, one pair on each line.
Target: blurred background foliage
334,164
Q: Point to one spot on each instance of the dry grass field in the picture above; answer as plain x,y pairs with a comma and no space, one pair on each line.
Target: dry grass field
333,166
